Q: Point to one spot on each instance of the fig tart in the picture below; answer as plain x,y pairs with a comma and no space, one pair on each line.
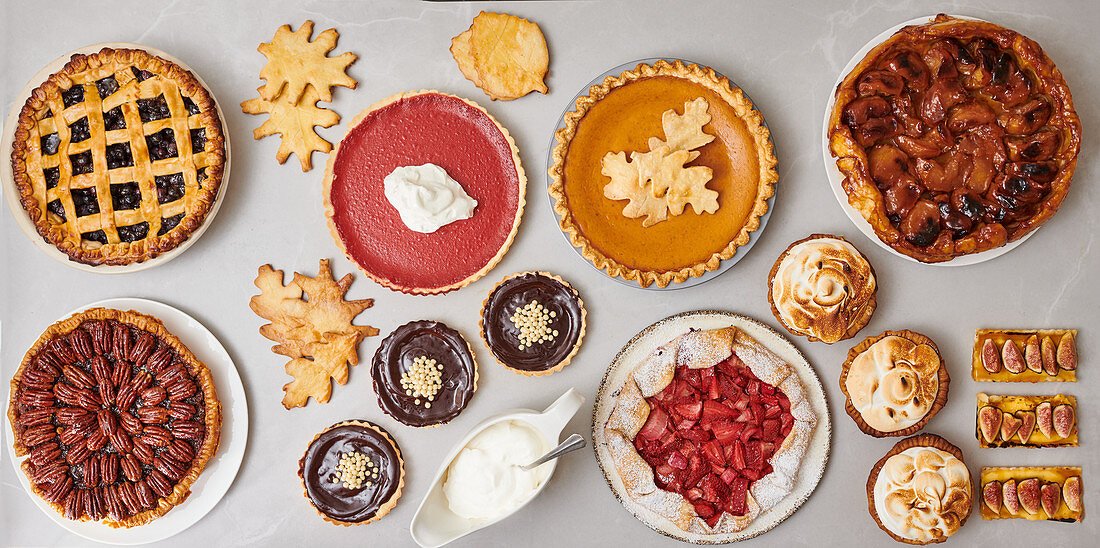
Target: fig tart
116,416
118,157
640,148
894,383
920,492
823,288
1033,493
462,177
709,431
352,473
533,323
954,137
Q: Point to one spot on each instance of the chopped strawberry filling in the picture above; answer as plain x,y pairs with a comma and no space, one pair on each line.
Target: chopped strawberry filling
711,433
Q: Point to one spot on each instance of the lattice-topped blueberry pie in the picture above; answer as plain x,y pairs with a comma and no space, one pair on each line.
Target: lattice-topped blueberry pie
118,156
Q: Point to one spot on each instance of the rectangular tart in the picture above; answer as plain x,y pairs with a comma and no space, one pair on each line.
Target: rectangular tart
1026,421
1025,355
1032,493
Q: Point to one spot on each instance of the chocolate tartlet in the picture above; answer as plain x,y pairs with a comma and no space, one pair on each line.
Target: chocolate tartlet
533,323
352,473
424,373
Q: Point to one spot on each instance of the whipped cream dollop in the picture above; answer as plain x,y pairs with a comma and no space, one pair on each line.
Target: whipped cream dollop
922,494
426,197
485,480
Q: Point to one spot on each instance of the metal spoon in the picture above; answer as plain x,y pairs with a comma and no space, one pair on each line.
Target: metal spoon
572,443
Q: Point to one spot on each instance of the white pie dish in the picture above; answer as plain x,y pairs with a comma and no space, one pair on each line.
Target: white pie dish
434,524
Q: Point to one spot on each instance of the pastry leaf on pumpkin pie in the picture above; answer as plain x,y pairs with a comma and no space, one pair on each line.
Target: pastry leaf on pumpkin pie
657,182
316,331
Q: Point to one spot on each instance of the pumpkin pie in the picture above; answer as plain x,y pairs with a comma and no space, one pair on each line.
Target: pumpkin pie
726,159
431,142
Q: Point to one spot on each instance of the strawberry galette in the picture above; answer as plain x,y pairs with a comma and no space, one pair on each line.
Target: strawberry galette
709,430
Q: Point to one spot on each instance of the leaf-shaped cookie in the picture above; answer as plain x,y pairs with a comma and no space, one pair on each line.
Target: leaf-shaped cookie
311,321
502,54
295,122
294,62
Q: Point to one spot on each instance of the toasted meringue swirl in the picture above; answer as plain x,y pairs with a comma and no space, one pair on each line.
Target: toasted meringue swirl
894,383
922,494
822,288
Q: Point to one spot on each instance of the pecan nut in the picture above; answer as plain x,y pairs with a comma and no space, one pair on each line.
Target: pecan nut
91,472
37,435
170,374
107,394
120,375
142,451
96,506
187,430
122,441
37,417
59,490
120,341
156,436
128,495
158,482
115,507
36,378
78,454
145,494
101,335
152,415
126,396
181,410
108,467
159,359
81,342
37,398
47,473
72,435
45,453
142,348
77,376
74,504
101,369
72,415
96,440
64,353
153,396
169,467
130,423
181,390
66,393
107,421
131,468
181,451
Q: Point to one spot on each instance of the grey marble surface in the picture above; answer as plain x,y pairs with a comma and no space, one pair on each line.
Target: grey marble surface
785,54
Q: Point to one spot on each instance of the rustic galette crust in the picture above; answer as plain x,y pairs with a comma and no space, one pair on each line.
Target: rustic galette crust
698,350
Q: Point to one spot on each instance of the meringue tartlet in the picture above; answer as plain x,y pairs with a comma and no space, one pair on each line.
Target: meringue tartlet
920,492
894,383
823,288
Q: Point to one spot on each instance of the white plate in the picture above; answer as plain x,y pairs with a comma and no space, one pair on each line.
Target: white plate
836,177
222,468
692,281
645,342
12,193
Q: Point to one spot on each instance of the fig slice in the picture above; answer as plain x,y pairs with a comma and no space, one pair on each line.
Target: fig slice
1051,496
1045,419
1028,493
1011,500
1071,493
991,359
1032,355
1027,425
1067,353
1064,419
991,494
1048,352
1013,360
1009,426
989,422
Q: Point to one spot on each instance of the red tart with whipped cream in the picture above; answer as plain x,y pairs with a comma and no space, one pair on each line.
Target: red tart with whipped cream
425,192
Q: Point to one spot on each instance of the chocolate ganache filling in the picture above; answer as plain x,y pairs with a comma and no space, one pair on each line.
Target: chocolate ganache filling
336,499
416,353
503,335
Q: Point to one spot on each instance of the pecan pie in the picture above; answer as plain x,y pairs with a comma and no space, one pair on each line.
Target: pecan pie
954,137
116,416
709,431
118,156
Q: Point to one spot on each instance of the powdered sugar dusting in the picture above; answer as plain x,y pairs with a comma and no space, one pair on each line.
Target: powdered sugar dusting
700,349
